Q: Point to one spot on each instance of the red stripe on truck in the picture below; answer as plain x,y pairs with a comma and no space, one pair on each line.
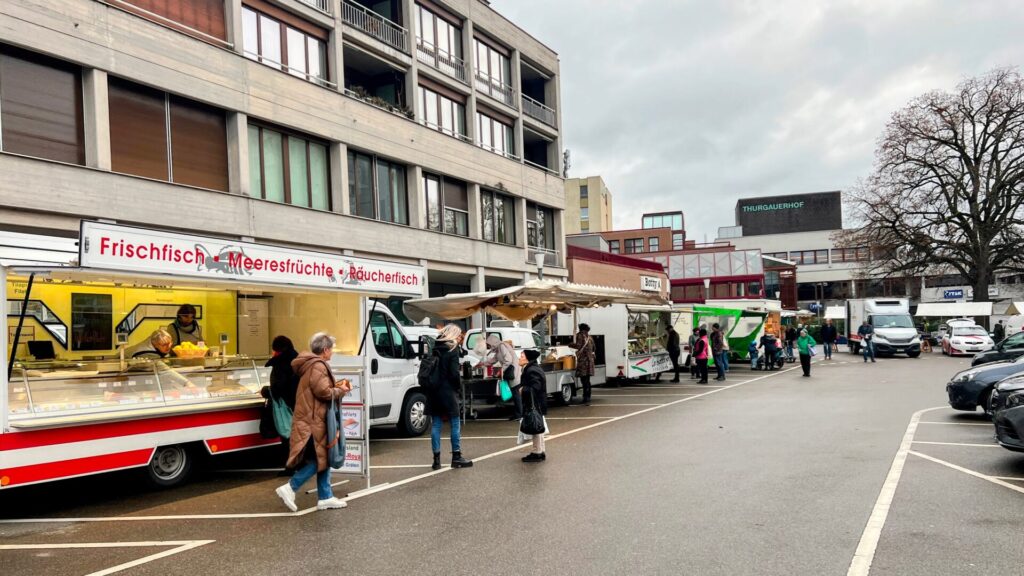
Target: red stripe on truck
22,475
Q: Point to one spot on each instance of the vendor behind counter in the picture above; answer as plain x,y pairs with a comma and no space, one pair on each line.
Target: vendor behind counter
158,345
185,327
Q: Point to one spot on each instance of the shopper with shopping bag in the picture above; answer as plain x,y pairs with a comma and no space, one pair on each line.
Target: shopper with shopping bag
502,354
534,392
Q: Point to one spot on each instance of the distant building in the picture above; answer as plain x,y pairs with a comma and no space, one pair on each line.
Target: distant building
671,220
588,205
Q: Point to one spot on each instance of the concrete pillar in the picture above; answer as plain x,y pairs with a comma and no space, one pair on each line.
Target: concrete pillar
339,178
517,87
238,154
233,24
417,197
521,222
336,56
426,279
555,90
560,236
467,52
412,74
476,229
478,283
96,116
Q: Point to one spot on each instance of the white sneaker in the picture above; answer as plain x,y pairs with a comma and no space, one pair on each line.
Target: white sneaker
288,495
331,503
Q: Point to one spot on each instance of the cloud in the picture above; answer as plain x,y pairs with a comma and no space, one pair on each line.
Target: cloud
691,105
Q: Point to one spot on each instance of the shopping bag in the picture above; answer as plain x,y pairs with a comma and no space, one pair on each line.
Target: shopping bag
504,390
523,438
335,436
282,417
813,352
533,423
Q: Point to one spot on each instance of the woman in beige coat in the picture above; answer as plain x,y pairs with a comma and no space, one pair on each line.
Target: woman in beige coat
309,442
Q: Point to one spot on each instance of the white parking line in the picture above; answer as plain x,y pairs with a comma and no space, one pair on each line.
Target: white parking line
992,479
957,444
865,554
986,424
400,466
1008,478
443,438
640,395
179,546
603,405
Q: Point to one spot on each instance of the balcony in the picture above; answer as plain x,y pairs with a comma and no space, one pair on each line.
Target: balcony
538,111
500,152
551,257
377,26
447,64
321,5
495,89
373,81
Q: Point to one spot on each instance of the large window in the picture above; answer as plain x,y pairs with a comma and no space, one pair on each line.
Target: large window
634,245
295,47
653,244
499,217
439,42
203,16
157,135
584,191
540,227
495,135
41,107
584,213
850,254
443,113
289,168
447,205
388,339
678,240
493,71
805,257
377,188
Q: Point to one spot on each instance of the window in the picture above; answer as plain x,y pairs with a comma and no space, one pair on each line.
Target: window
584,213
447,205
157,135
493,71
613,246
92,322
387,337
540,229
294,48
437,37
806,257
634,245
377,188
652,244
678,240
443,113
849,254
584,226
584,191
288,168
779,255
41,107
495,135
204,16
499,217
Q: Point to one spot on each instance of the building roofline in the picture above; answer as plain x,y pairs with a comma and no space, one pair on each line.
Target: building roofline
486,4
789,195
618,259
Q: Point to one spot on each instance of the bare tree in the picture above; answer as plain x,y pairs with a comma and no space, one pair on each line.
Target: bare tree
947,189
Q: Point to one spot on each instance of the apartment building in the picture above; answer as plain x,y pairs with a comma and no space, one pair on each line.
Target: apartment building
417,131
588,205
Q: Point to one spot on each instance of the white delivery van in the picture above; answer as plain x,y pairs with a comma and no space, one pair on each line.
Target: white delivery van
895,332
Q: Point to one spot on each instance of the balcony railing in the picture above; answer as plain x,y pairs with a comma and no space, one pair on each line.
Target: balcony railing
551,257
538,111
448,64
495,89
500,152
446,131
375,25
542,167
377,102
321,5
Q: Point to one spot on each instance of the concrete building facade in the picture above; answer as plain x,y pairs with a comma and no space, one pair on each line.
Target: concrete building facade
588,205
420,131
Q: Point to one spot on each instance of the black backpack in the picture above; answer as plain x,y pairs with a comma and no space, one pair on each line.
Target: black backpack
429,375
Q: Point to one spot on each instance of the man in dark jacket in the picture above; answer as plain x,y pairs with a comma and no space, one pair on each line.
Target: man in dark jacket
534,390
867,336
673,351
791,336
828,336
999,332
694,372
718,350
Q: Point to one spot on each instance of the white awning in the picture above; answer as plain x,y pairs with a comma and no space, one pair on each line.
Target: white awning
835,313
1015,309
954,309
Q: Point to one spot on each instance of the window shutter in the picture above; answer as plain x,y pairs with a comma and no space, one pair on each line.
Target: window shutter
199,145
138,130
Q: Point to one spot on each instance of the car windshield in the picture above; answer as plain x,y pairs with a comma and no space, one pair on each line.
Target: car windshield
892,321
969,331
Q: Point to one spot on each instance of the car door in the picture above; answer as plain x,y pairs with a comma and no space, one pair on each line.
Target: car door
388,364
1011,347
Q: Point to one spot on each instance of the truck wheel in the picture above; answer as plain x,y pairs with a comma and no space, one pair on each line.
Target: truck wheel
566,394
854,348
170,466
985,401
414,420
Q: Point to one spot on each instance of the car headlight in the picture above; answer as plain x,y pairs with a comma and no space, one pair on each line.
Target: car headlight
880,338
964,377
1015,399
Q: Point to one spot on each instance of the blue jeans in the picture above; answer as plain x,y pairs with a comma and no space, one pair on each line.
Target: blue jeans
868,349
720,363
435,433
323,479
828,350
753,360
725,360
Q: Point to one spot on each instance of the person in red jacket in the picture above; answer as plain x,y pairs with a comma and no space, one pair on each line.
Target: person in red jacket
701,351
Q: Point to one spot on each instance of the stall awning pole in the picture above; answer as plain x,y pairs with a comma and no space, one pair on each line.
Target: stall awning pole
4,386
21,322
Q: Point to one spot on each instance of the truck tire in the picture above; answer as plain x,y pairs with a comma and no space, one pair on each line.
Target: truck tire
414,420
854,348
565,394
170,466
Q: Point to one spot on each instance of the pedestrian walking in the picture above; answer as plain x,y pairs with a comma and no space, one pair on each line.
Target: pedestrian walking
534,390
828,337
442,403
771,350
791,335
502,354
717,348
867,336
672,346
752,351
691,359
805,344
726,352
999,332
701,351
585,358
284,382
309,443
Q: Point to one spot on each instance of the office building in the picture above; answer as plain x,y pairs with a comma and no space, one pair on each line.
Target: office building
588,205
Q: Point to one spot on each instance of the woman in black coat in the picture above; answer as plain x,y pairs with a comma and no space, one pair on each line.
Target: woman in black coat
283,380
534,390
442,402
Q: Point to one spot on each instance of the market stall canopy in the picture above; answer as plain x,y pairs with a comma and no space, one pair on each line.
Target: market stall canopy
1015,309
527,301
954,309
835,313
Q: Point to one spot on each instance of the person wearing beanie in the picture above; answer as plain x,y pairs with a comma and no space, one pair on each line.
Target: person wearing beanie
442,403
534,393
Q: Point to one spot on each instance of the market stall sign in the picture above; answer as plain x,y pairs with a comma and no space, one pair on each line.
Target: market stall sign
650,284
124,248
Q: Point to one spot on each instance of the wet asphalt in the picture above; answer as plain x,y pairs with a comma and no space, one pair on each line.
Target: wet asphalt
765,474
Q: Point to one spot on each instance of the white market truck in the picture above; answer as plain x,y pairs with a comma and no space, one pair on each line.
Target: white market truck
633,339
894,331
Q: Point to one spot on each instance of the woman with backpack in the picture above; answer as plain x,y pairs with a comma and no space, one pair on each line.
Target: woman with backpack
442,403
284,383
701,351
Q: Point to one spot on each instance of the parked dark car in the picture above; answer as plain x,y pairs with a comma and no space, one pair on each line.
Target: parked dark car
1008,413
1010,348
972,388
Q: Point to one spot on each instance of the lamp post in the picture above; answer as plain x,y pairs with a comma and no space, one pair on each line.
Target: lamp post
707,290
538,258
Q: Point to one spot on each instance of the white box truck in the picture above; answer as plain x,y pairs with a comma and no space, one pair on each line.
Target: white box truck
894,327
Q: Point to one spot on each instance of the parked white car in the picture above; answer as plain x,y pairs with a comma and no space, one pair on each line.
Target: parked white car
966,339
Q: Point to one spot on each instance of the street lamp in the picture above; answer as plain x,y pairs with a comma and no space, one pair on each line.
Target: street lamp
539,259
707,290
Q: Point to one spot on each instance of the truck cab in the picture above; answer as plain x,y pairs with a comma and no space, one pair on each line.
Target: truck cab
894,330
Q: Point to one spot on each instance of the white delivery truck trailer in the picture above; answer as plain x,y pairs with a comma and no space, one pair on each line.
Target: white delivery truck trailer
894,331
633,339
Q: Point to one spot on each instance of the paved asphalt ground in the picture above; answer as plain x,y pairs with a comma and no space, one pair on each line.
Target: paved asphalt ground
768,474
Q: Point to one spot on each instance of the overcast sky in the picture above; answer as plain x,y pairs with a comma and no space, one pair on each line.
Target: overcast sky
693,104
